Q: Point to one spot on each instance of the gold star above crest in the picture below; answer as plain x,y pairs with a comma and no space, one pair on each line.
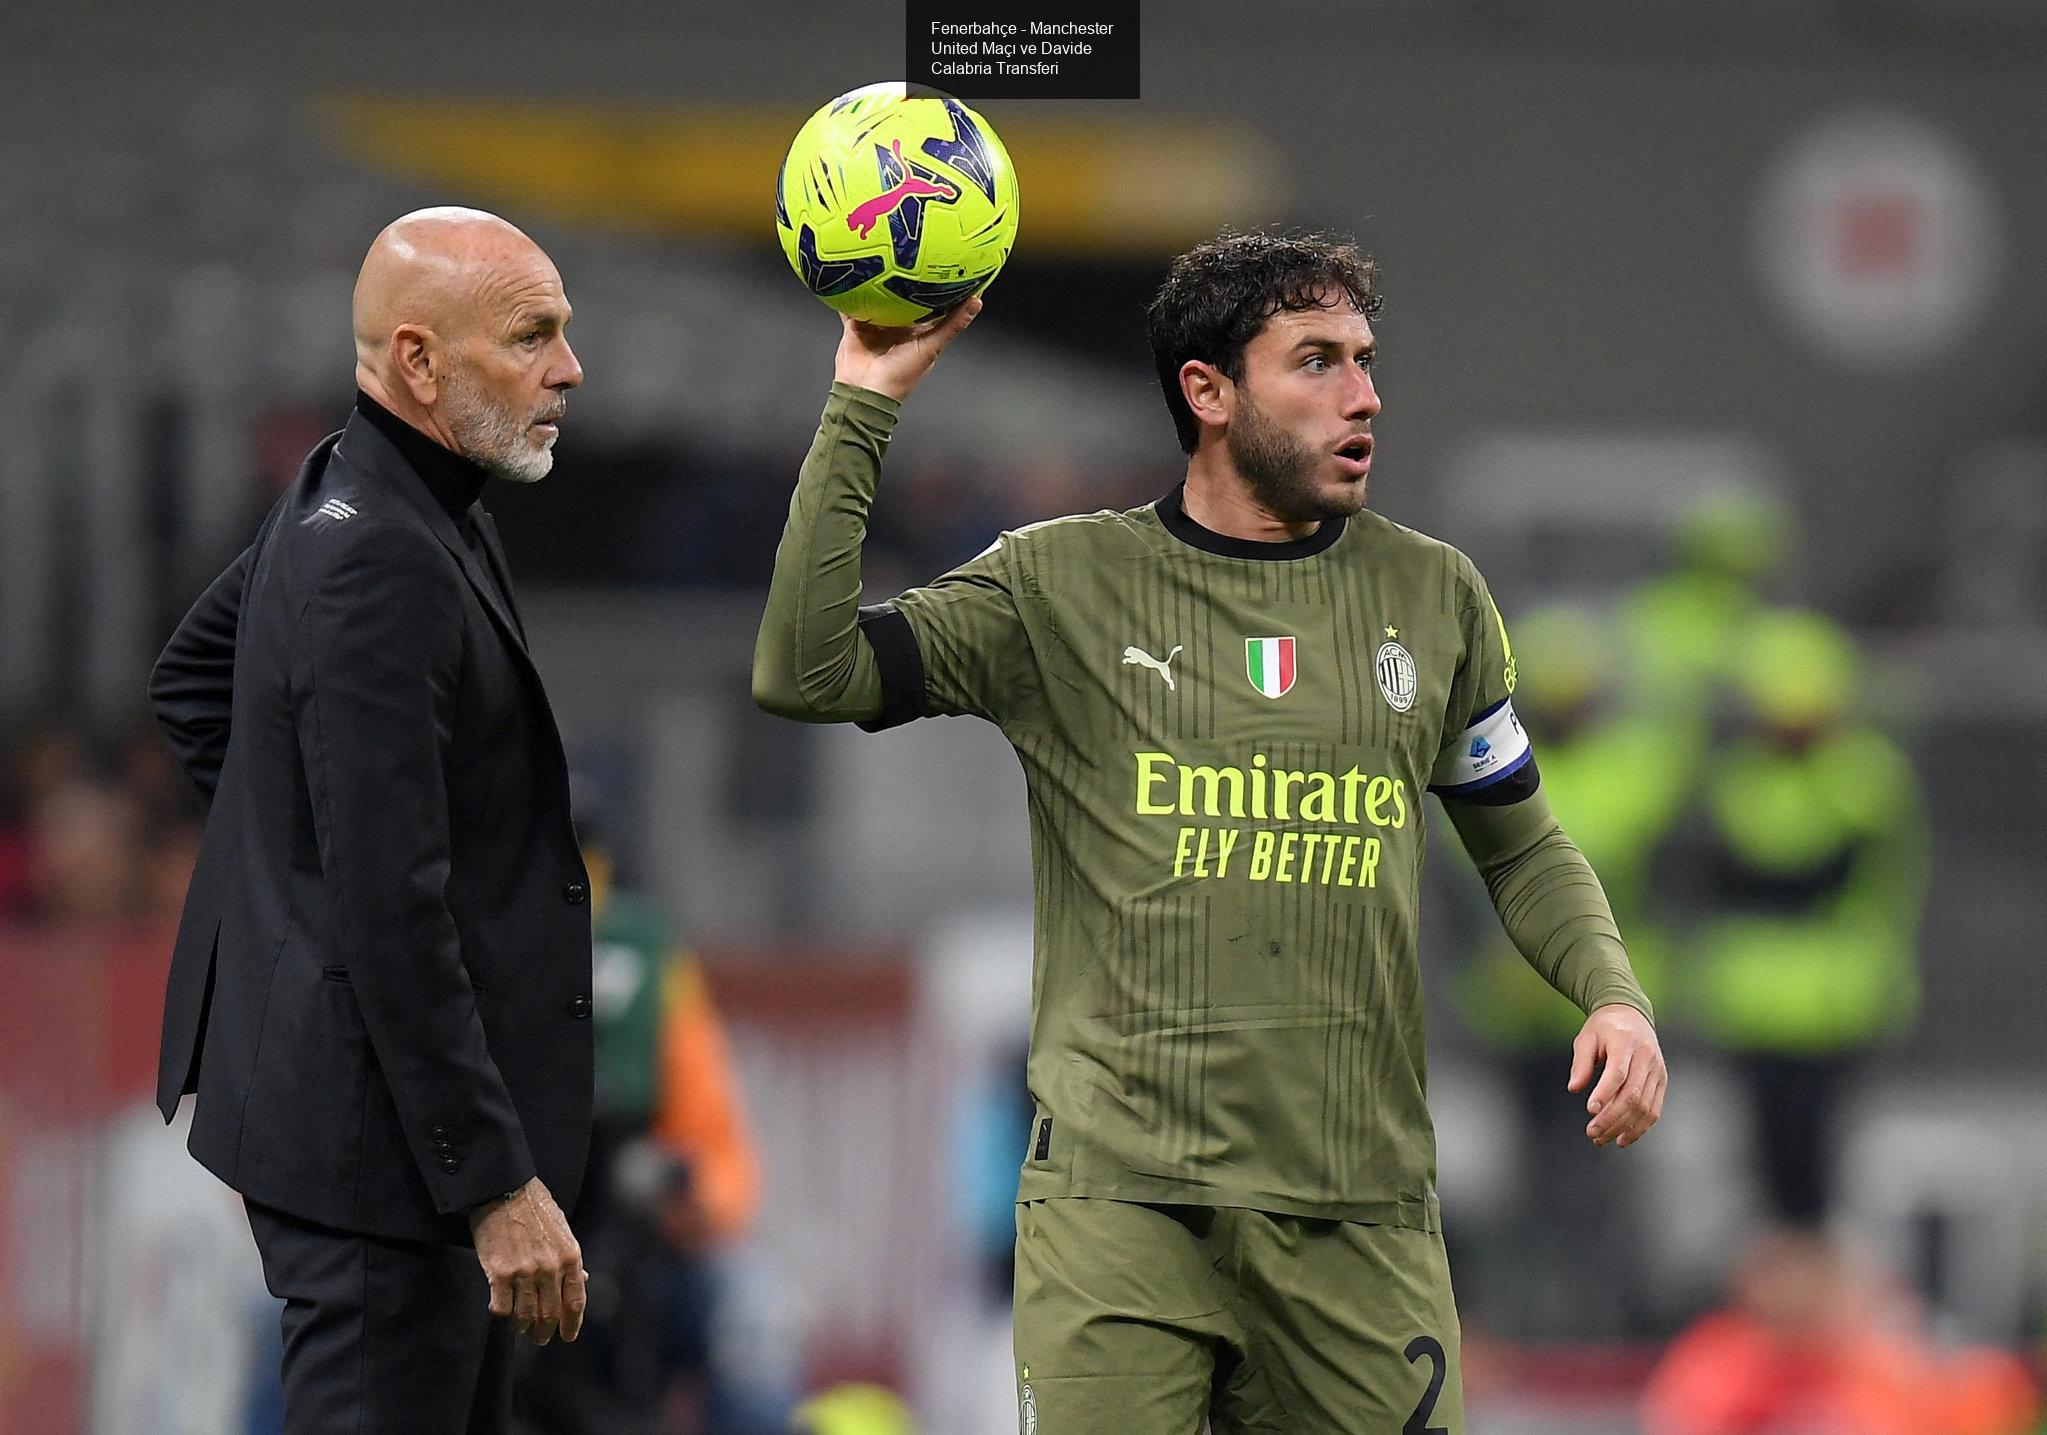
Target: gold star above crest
1391,631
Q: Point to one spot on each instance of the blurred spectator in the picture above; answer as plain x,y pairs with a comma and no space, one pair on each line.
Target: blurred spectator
87,837
1814,1344
1683,630
1814,870
1617,786
85,844
674,1339
41,759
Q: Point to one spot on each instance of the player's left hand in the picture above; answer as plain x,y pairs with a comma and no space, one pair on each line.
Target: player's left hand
1629,1097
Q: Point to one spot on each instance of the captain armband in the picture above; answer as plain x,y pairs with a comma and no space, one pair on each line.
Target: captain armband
1490,762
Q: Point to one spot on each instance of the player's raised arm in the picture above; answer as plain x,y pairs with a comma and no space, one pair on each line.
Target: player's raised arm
811,661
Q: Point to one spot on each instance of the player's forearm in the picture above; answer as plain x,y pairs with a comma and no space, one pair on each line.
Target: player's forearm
1549,901
810,661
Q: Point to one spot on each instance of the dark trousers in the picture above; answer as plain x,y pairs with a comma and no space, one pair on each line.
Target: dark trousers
384,1337
1796,1104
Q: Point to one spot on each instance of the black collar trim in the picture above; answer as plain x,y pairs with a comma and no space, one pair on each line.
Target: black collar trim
1172,512
455,482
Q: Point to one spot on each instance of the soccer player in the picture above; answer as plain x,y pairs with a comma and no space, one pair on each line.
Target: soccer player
1228,705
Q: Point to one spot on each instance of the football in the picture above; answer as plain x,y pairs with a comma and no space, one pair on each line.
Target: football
893,205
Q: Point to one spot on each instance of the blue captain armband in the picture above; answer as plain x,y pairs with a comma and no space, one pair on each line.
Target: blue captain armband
1490,762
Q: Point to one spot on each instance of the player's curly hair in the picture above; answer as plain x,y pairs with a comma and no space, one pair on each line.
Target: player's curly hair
1218,295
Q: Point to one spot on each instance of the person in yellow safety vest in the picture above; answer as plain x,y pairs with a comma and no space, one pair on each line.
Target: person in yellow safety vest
1619,785
1815,875
1682,630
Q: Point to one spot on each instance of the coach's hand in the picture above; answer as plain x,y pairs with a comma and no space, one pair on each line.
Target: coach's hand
534,1264
1629,1097
895,361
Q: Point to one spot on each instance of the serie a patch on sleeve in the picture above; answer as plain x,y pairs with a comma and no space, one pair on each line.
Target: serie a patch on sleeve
1493,748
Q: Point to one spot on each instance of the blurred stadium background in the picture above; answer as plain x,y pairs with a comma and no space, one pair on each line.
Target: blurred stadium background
1698,317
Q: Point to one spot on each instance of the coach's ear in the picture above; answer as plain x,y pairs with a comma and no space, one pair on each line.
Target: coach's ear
418,362
1209,392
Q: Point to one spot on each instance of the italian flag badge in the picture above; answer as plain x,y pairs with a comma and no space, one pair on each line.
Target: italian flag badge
1270,664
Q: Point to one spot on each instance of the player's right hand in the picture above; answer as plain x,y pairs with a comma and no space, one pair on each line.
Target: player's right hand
533,1262
894,361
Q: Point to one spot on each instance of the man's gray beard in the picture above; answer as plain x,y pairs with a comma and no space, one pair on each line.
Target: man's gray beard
491,436
1277,468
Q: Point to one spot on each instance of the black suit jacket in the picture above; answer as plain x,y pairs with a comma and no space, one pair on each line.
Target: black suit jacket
381,985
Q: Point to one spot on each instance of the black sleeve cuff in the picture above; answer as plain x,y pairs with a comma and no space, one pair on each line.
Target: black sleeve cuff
1518,786
901,663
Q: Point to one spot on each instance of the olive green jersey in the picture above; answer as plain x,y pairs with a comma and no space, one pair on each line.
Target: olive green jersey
1226,745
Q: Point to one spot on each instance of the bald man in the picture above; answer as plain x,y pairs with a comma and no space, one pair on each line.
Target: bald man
381,986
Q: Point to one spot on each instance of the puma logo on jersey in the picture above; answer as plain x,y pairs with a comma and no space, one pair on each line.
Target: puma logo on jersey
1161,666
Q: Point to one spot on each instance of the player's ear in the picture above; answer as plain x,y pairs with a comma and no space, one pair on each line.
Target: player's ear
1208,391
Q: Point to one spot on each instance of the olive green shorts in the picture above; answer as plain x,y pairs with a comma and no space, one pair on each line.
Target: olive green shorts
1137,1319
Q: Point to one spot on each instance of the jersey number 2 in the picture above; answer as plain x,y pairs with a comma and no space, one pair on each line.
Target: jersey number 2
1429,1348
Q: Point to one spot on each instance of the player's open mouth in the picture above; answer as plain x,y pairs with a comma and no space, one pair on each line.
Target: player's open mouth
1355,457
